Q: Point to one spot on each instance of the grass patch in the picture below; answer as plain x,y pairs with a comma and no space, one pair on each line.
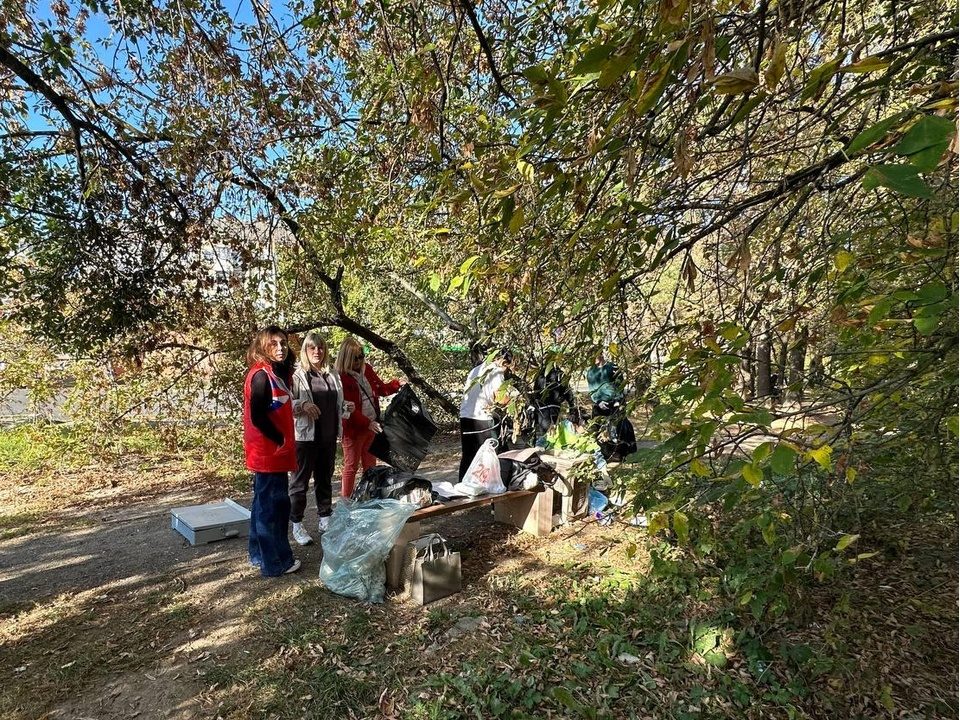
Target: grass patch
40,448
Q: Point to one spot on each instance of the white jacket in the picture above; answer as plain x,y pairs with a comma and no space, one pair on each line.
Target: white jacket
303,424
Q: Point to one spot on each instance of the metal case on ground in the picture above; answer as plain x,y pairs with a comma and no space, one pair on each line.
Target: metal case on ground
201,524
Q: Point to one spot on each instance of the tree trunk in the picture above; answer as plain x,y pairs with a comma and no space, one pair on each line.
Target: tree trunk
798,355
763,385
747,372
388,347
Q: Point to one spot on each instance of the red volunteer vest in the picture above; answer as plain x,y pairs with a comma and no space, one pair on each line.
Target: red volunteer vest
264,455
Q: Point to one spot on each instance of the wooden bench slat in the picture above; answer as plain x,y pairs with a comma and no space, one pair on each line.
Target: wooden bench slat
451,506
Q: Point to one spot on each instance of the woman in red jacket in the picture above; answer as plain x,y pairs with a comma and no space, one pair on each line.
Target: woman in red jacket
364,388
268,443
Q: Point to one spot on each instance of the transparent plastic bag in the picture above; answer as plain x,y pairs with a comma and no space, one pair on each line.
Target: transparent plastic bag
357,543
483,476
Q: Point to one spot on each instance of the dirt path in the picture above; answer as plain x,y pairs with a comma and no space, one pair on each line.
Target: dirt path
114,566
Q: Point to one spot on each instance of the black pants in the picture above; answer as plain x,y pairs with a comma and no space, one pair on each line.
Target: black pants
316,459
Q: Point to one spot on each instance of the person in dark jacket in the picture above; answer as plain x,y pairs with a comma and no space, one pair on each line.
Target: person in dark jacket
269,446
551,391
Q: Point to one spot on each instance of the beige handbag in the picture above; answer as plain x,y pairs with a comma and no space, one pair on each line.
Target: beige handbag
431,569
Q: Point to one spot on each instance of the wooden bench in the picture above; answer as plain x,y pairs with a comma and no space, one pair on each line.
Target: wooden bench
529,510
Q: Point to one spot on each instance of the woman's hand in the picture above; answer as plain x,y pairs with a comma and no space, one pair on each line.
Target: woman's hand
311,410
375,427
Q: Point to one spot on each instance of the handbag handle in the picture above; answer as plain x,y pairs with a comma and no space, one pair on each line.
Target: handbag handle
428,550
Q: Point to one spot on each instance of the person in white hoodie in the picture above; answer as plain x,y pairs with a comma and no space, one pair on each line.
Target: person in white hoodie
318,408
481,395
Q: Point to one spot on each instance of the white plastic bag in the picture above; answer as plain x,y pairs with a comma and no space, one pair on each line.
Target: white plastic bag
483,475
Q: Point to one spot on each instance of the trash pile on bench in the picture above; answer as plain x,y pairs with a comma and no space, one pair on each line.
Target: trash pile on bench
543,487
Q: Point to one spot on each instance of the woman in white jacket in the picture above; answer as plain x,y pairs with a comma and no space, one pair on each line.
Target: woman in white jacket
318,408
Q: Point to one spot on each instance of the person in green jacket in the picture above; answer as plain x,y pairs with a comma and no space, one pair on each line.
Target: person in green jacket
605,383
615,433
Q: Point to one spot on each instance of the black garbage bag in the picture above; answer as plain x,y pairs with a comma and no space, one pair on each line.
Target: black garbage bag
407,432
621,439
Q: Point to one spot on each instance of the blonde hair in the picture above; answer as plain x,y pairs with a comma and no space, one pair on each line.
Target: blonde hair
350,349
314,339
258,352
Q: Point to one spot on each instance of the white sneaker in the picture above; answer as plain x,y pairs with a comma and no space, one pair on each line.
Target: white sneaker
300,534
293,568
324,523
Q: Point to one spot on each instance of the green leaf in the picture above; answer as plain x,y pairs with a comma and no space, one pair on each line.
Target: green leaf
926,325
759,416
653,92
748,108
872,134
819,79
614,67
783,459
769,533
953,425
468,263
593,60
536,74
752,475
434,282
903,179
880,310
932,292
930,130
762,452
681,526
929,158
565,697
517,220
845,541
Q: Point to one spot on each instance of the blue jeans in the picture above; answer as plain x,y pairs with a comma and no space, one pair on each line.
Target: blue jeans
269,516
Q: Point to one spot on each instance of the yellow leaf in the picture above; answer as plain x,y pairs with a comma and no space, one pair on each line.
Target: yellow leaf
868,64
842,260
516,221
844,541
505,192
659,521
526,170
851,475
752,475
699,468
713,345
821,455
787,325
736,81
778,63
